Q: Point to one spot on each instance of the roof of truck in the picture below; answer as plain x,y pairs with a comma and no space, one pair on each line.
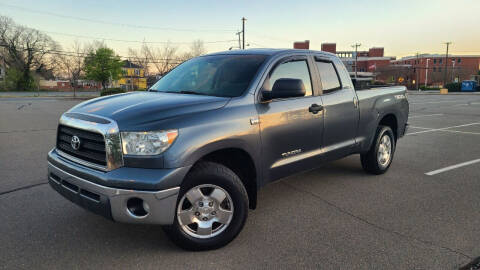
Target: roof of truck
267,51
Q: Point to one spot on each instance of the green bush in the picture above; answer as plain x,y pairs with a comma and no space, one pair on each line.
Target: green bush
454,87
112,91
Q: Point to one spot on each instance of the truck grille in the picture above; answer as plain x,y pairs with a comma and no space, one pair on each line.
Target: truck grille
91,146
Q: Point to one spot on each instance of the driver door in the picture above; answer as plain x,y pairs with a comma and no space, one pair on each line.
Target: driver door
291,135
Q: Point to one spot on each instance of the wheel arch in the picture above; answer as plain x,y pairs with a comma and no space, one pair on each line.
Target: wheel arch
241,163
390,120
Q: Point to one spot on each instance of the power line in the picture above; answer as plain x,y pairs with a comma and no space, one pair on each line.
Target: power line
134,41
113,23
258,44
85,55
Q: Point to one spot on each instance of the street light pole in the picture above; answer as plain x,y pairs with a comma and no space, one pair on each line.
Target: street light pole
453,69
426,74
356,45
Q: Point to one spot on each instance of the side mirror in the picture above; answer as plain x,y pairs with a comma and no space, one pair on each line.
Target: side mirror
285,88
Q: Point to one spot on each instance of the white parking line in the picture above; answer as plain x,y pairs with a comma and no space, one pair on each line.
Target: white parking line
453,167
445,130
424,115
440,129
433,102
458,131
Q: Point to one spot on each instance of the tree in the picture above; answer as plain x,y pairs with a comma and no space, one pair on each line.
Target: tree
103,65
164,58
23,50
196,49
141,57
72,65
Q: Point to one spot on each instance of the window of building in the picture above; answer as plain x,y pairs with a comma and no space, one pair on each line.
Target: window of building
459,60
293,70
440,61
328,76
434,69
434,61
137,72
439,69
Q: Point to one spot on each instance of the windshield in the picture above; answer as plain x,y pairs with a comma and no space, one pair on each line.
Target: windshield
216,75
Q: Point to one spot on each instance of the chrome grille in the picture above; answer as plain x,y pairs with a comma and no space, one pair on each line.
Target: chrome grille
92,146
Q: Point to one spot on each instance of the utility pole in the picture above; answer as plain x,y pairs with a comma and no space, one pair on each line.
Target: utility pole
446,64
356,45
243,32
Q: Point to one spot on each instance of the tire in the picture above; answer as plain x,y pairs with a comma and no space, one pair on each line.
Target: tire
375,162
214,181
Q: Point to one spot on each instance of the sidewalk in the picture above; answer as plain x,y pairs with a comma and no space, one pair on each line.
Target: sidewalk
83,94
437,92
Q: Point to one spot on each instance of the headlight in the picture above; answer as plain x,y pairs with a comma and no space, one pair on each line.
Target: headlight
147,143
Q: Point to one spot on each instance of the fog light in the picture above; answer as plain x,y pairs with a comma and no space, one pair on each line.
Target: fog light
137,207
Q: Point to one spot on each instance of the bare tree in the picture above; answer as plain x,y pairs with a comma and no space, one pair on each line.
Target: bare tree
141,57
165,58
162,59
72,65
196,49
25,49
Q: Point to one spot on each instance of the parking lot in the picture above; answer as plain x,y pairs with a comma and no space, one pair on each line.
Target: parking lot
423,214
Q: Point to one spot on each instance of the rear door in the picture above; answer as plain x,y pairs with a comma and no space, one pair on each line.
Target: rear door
291,135
341,113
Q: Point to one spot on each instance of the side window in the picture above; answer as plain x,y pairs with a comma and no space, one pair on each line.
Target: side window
292,70
328,76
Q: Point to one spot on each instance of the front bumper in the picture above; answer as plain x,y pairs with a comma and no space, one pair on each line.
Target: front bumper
69,180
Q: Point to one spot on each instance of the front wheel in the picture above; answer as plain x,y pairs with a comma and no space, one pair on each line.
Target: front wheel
211,210
379,158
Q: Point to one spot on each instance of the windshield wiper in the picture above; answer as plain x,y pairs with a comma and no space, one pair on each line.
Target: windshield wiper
182,92
191,92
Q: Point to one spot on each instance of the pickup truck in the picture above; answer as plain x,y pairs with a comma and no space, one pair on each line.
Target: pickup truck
191,152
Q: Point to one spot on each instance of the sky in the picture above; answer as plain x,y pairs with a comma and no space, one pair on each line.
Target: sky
403,27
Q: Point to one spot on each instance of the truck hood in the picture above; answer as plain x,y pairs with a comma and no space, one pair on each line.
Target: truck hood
141,108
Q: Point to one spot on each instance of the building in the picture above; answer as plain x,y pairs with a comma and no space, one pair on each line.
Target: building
66,85
429,69
133,77
367,61
305,45
2,71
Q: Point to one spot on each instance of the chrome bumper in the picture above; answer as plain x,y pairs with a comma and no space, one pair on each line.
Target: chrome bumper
112,202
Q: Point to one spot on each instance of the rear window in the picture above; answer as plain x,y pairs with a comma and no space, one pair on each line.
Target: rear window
328,76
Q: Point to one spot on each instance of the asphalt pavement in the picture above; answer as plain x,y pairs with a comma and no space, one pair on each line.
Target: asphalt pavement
422,214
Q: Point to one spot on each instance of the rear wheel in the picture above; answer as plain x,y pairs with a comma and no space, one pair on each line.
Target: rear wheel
379,158
211,210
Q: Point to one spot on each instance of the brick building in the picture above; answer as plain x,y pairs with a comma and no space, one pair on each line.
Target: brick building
367,61
411,71
430,68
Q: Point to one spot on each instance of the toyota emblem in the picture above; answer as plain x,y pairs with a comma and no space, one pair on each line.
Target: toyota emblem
75,143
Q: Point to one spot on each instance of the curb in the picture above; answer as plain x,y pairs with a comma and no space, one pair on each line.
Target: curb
438,93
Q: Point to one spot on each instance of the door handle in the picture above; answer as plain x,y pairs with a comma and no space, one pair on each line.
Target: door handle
355,102
315,108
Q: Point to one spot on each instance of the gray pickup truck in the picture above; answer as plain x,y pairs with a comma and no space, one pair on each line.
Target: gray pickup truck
191,152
